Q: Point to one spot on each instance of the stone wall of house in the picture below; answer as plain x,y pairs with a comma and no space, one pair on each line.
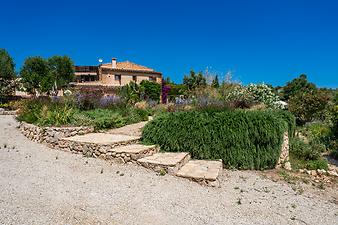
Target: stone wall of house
283,161
51,135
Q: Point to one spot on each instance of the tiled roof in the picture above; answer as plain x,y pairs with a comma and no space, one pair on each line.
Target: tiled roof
128,66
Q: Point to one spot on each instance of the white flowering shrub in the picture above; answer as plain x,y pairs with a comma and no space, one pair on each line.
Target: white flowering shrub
262,93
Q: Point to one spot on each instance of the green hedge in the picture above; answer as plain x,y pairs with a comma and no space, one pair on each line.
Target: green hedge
242,139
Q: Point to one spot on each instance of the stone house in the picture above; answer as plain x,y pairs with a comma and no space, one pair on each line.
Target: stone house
114,74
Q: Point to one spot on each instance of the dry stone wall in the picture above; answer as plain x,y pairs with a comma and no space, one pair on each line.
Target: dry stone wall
106,151
6,112
51,135
283,161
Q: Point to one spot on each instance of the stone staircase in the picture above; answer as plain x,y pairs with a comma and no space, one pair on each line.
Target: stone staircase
125,149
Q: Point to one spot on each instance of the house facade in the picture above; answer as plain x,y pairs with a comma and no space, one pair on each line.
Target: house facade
115,74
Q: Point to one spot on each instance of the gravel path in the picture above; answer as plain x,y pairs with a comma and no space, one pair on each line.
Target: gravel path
39,185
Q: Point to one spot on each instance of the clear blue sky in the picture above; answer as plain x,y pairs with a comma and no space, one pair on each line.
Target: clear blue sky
268,41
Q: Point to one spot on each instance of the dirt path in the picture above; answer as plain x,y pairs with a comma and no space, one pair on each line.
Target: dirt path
39,185
132,129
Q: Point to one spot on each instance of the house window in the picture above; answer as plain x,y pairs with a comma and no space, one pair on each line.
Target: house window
152,79
118,77
135,78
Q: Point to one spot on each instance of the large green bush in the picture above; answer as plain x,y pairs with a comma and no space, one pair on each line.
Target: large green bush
242,139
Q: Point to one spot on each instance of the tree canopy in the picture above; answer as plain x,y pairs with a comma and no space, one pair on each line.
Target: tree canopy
7,66
215,82
60,73
34,73
297,85
193,81
7,73
40,75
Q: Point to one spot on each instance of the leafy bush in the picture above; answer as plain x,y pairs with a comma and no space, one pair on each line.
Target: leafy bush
56,115
151,90
306,105
318,133
242,139
301,150
317,164
30,110
105,119
131,93
308,164
307,155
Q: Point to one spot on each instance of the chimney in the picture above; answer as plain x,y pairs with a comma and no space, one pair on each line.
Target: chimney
113,63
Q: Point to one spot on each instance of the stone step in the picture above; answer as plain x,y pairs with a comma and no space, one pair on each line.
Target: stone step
202,171
132,152
102,138
169,161
96,144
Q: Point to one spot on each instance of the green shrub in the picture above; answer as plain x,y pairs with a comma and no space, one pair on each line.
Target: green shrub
301,150
334,154
305,106
105,118
317,164
152,90
4,105
242,139
30,110
307,155
320,133
56,115
308,164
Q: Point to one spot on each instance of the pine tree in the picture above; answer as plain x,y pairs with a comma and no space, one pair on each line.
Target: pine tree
215,82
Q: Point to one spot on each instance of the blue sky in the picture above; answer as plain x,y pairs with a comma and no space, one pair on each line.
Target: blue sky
270,41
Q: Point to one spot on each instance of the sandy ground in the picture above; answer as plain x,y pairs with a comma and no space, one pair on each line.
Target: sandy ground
39,185
131,129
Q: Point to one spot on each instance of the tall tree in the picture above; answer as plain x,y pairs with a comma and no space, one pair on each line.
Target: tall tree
296,86
34,74
7,73
60,73
193,81
215,82
307,106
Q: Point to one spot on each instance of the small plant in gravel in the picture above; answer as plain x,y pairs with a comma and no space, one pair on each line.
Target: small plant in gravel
162,172
321,186
288,177
239,201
